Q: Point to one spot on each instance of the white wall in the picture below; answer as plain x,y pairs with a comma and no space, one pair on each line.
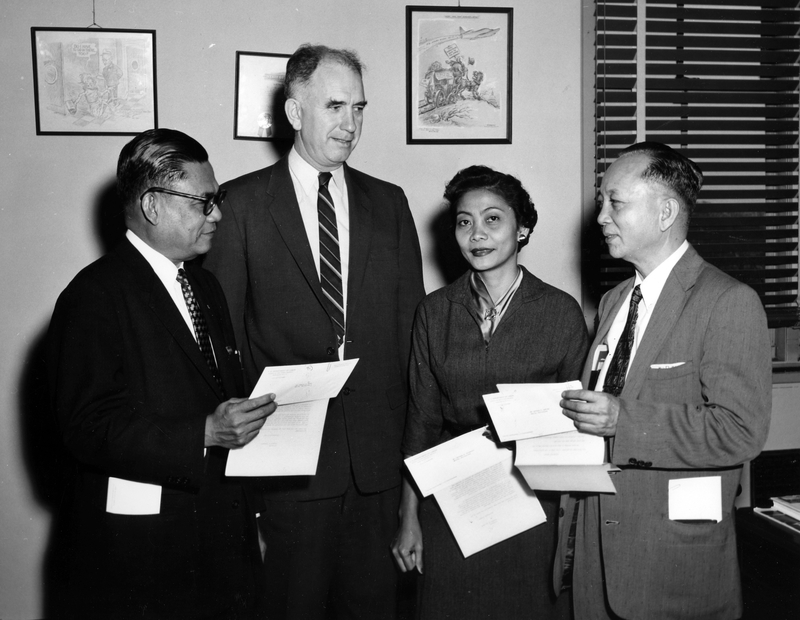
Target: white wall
51,187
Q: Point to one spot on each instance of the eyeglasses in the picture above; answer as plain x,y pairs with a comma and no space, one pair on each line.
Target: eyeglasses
208,202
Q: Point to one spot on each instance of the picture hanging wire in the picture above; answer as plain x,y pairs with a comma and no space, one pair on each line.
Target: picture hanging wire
94,23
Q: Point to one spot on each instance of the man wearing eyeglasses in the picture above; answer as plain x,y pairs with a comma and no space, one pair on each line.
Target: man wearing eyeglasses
143,367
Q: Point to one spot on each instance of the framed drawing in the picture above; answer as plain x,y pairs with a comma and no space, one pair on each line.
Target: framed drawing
258,107
458,75
94,81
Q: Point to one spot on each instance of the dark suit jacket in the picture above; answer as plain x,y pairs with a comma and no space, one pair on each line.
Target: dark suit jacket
263,260
131,391
704,417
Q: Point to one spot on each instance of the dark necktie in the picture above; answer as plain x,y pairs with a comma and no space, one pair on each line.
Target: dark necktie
330,265
615,378
199,322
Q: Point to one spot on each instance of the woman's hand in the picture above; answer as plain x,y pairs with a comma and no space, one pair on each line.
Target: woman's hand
407,543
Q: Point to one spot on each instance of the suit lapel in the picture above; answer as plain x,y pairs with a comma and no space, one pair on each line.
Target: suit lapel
666,313
165,311
361,214
285,212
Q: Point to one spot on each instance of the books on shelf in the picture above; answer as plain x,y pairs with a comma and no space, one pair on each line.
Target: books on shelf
788,505
780,518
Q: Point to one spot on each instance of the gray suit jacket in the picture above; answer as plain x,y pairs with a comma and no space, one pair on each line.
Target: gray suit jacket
703,417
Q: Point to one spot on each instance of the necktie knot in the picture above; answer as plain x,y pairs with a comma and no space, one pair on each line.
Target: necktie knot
636,296
324,179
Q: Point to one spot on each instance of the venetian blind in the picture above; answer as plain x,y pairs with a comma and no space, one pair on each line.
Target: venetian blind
719,81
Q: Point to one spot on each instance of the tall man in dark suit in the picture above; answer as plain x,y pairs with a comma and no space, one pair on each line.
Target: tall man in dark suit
143,365
685,400
321,262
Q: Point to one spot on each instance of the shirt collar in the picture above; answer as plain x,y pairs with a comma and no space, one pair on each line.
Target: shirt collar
308,176
652,285
165,269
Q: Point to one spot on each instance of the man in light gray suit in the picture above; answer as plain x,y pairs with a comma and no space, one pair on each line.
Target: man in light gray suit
682,356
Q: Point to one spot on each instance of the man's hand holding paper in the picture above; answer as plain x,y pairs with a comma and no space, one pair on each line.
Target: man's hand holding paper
288,444
520,411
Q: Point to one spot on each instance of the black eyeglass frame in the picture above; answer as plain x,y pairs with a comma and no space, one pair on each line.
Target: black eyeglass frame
209,202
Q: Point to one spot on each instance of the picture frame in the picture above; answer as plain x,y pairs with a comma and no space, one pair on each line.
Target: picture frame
94,81
259,101
459,75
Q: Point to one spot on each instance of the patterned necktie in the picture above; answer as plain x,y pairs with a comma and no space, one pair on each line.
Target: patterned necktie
615,378
199,322
330,266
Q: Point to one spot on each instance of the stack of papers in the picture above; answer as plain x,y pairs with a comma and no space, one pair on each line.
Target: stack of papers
288,444
551,454
477,483
481,496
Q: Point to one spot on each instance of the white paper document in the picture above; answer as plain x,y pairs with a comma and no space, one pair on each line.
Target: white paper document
482,497
524,410
303,382
289,442
696,499
126,497
565,462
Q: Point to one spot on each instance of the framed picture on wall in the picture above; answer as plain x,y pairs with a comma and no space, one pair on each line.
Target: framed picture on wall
94,81
458,75
258,108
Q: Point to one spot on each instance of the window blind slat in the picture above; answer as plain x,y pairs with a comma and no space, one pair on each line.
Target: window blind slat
721,84
765,43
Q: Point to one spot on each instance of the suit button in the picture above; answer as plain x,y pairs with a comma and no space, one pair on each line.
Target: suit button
331,351
633,462
560,513
648,464
235,503
346,391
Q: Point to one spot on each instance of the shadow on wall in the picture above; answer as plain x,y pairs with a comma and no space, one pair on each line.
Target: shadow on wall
47,463
109,217
446,253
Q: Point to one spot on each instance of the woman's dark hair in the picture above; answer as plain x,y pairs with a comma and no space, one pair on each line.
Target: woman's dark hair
504,185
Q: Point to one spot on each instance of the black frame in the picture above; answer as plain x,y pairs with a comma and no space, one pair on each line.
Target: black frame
448,134
280,127
71,88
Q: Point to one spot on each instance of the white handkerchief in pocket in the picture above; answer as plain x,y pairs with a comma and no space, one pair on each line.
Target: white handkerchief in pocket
696,499
666,366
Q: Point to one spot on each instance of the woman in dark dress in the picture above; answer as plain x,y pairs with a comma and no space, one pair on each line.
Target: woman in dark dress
497,323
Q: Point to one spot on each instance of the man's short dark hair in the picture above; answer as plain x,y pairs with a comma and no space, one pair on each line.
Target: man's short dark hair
671,169
307,58
155,158
506,186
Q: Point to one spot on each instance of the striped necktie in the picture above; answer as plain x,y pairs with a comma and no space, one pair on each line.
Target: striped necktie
330,266
200,326
618,370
